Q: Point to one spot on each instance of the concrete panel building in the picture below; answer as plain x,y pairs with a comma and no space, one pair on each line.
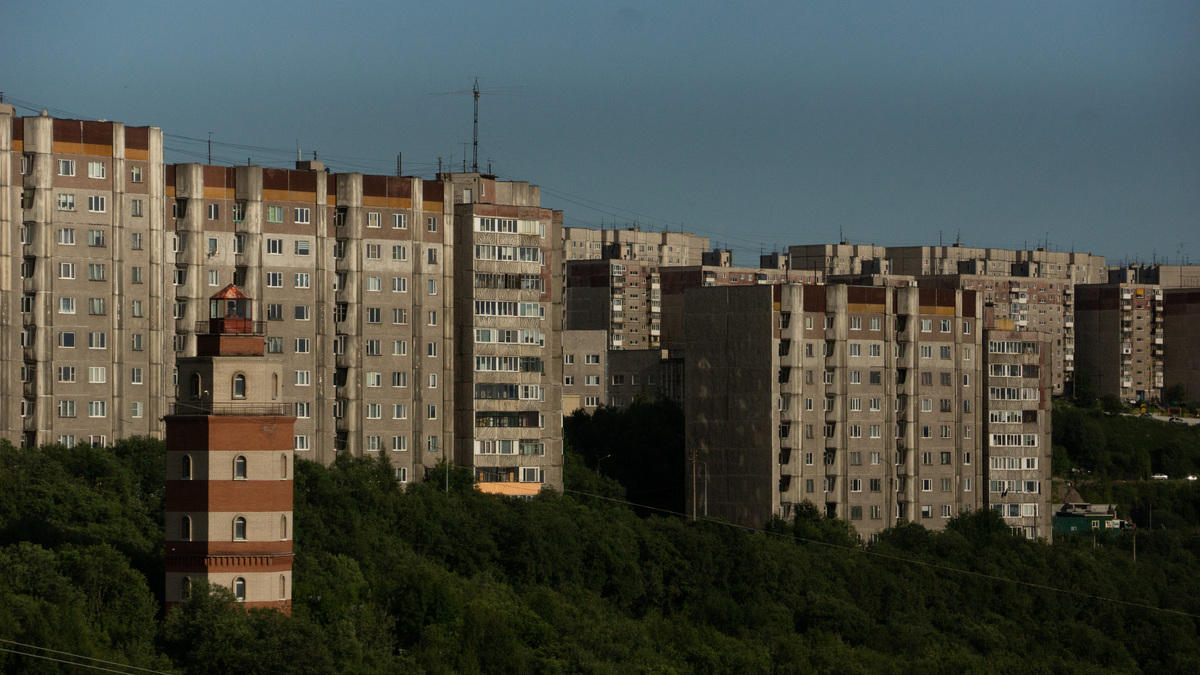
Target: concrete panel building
633,245
867,402
585,370
1017,366
81,281
508,335
1181,341
1120,343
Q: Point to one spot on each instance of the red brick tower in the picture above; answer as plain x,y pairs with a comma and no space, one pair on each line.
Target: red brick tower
229,464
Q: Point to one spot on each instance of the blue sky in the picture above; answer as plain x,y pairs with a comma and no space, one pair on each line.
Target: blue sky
760,124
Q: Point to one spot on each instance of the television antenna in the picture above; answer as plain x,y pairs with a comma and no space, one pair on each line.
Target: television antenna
475,92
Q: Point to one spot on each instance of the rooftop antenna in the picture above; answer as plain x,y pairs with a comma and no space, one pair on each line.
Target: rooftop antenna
958,239
398,154
475,146
476,169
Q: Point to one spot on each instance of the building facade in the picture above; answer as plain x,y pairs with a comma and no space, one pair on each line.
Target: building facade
229,464
1121,339
867,402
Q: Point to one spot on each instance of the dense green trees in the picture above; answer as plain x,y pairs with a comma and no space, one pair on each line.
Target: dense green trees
425,579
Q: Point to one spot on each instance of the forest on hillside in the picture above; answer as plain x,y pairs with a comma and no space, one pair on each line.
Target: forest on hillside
421,578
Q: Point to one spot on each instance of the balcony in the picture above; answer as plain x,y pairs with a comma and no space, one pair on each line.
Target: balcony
230,326
247,409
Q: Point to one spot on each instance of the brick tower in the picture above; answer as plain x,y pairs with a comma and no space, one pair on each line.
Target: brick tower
229,464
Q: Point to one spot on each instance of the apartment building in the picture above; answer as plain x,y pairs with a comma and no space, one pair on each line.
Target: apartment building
632,244
354,278
864,401
1017,368
585,370
508,334
1181,340
867,402
82,291
1120,342
112,257
846,258
623,298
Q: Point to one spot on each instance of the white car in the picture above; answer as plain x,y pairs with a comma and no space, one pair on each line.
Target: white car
1159,476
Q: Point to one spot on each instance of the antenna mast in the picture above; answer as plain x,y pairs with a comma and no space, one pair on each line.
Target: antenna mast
475,147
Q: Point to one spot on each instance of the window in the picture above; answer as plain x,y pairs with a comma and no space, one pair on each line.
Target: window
431,412
135,174
876,323
135,275
301,246
399,221
399,316
66,373
97,341
926,325
66,408
274,280
431,349
214,212
66,270
399,347
214,278
97,409
96,204
66,236
275,246
239,386
97,271
399,379
431,223
374,251
239,534
239,468
399,253
855,349
432,286
136,342
65,339
373,283
274,214
302,378
300,443
302,216
304,410
97,375
96,170
66,305
374,411
136,209
374,379
302,313
592,359
66,202
373,347
274,345
300,280
66,167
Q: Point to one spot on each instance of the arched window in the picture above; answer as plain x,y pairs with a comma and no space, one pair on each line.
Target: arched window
185,528
282,528
274,386
239,589
195,389
283,467
185,471
186,587
239,468
239,386
239,529
282,587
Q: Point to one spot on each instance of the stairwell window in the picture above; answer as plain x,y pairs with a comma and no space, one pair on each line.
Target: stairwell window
239,468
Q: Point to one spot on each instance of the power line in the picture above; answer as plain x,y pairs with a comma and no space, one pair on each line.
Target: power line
128,668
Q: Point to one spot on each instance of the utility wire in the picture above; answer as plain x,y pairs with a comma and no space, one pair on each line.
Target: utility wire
76,663
79,656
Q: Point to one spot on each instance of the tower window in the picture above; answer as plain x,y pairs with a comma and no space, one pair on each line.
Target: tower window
239,529
239,589
239,468
239,386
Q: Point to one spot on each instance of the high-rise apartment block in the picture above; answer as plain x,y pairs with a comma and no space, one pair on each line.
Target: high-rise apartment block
867,402
633,245
112,256
508,338
1121,338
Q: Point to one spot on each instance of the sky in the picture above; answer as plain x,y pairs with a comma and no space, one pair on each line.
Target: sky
759,124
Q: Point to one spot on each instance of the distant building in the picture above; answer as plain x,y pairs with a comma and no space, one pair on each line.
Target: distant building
868,402
1181,341
633,245
1078,518
585,370
1120,343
